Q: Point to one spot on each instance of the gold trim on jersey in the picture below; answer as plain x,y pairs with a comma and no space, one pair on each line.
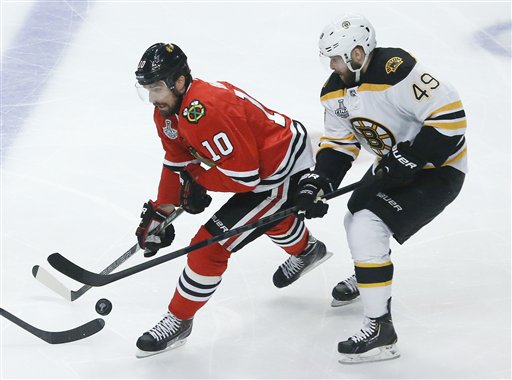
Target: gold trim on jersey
351,152
448,124
456,157
448,107
334,94
364,87
354,149
374,87
348,137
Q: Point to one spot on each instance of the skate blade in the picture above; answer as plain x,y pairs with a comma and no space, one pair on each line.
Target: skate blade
336,303
374,355
327,256
144,354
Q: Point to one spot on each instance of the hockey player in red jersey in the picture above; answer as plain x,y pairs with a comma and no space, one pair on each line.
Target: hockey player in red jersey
216,137
413,121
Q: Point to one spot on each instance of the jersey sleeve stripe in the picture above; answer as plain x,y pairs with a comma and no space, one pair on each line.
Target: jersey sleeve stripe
456,157
448,107
248,178
239,174
339,144
448,124
350,137
177,166
459,114
293,155
352,151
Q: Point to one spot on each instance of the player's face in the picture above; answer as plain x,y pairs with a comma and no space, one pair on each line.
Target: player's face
340,67
162,98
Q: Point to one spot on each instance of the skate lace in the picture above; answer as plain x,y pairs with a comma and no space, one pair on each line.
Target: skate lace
366,332
351,283
166,327
292,266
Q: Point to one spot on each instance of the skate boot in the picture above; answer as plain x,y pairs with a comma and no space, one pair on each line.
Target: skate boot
345,292
374,342
167,334
296,266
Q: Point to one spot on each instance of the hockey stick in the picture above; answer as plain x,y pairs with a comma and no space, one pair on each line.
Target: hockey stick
79,274
47,279
57,337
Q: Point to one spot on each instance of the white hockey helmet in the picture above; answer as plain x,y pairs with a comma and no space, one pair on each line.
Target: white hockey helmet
343,34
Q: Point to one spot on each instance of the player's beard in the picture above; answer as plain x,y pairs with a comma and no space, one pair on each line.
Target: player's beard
169,110
349,78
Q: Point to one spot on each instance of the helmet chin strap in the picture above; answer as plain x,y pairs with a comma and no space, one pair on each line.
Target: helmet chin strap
357,72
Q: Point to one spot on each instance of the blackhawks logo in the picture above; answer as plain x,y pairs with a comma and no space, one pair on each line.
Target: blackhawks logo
194,112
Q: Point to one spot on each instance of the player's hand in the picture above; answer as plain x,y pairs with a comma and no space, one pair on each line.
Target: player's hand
311,187
193,197
398,167
151,217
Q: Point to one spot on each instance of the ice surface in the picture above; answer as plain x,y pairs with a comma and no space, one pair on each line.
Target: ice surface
83,156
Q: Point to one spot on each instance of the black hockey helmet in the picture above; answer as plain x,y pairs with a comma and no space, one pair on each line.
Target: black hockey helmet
162,62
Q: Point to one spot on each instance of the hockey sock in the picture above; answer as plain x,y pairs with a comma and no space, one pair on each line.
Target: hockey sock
192,292
291,235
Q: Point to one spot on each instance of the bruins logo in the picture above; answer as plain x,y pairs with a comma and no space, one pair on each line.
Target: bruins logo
392,64
194,112
379,138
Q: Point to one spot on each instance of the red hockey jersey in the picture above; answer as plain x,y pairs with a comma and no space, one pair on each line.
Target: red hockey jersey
247,146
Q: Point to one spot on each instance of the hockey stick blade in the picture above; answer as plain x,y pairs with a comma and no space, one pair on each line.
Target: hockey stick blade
47,279
43,276
84,276
58,337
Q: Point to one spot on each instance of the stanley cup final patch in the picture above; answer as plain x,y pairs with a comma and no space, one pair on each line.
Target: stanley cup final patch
194,112
341,111
169,131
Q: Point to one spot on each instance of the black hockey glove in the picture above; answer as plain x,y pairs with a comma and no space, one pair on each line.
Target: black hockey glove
311,187
193,197
398,167
150,218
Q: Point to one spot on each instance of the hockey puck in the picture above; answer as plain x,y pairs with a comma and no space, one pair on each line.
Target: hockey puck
103,306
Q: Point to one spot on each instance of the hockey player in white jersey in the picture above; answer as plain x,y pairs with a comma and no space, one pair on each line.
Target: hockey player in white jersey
413,122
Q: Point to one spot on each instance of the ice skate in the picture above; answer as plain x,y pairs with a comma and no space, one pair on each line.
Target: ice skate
345,292
169,333
296,266
376,341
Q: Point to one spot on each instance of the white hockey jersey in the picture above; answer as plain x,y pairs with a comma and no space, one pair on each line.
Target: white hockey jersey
395,99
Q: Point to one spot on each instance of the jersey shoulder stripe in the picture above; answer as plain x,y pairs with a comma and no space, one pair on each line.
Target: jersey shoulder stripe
333,88
388,67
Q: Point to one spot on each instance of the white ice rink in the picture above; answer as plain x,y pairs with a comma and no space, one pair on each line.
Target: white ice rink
80,155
